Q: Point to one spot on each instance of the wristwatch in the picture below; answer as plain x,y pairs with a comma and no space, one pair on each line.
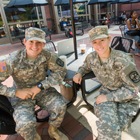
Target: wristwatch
40,86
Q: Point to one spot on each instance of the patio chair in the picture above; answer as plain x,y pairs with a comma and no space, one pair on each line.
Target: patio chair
116,20
19,34
122,43
121,27
92,22
127,43
50,45
79,30
84,25
48,32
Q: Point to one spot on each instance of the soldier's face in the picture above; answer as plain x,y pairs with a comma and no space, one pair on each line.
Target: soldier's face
33,47
101,46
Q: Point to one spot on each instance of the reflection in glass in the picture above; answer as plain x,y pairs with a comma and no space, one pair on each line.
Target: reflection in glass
104,9
79,10
20,14
2,32
66,10
19,29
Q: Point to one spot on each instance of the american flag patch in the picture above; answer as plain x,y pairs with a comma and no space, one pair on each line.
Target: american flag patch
3,67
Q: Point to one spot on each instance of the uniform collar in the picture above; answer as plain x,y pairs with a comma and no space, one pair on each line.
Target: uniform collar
109,61
39,59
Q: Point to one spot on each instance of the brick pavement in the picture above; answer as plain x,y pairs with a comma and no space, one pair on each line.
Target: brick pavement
70,126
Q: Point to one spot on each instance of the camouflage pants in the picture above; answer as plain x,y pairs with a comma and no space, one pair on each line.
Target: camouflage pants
113,118
24,116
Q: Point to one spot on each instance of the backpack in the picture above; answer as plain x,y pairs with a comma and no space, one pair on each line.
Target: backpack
117,44
70,34
7,123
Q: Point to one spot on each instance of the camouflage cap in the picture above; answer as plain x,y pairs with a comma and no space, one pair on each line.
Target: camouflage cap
98,32
35,34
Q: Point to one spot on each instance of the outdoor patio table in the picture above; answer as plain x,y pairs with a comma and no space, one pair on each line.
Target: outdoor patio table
101,20
77,23
73,67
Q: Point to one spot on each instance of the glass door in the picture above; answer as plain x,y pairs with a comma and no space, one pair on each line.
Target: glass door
4,39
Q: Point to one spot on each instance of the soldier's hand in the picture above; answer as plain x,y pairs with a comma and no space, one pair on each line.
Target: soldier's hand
35,90
77,78
24,93
101,99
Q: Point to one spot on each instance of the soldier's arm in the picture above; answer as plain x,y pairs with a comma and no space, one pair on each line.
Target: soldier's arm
5,71
85,68
57,74
131,83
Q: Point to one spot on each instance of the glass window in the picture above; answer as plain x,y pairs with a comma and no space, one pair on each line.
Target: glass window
58,11
20,14
17,29
80,8
105,7
66,10
2,32
20,28
40,12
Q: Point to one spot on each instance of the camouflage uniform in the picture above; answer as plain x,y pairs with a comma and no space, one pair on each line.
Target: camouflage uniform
120,83
27,74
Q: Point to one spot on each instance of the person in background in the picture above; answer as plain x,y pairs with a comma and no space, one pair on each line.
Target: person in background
31,87
107,17
123,15
36,25
132,29
118,99
64,26
138,44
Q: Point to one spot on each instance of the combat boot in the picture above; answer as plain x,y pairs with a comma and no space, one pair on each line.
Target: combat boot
56,134
37,137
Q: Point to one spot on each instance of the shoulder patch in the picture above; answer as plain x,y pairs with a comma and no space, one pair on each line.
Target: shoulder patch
59,62
134,76
3,67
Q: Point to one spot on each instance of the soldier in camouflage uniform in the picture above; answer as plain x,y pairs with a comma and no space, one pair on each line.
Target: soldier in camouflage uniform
31,86
118,100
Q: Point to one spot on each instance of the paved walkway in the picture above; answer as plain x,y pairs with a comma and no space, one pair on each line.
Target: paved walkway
79,122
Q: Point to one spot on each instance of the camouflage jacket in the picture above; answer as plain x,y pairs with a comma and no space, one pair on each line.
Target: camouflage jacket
118,74
26,74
